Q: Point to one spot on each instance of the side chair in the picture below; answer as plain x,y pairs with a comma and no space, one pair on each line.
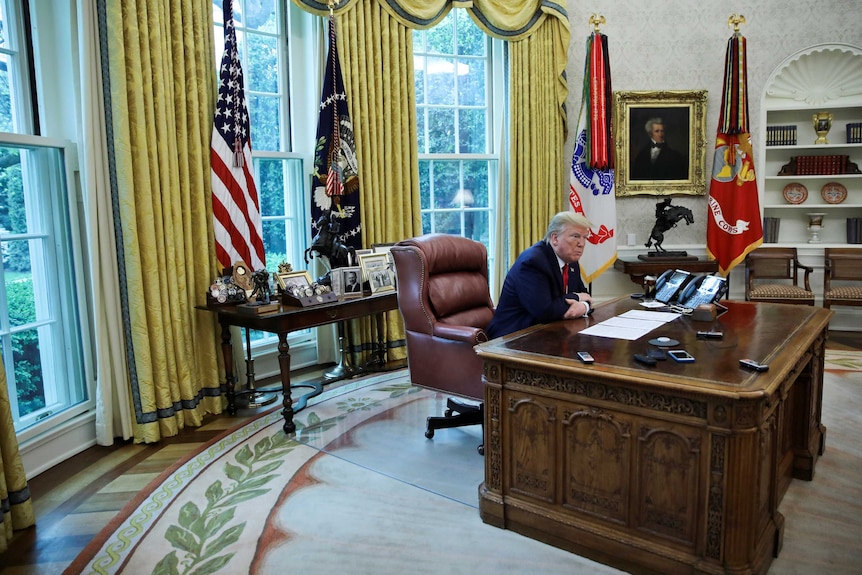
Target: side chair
842,280
445,300
772,275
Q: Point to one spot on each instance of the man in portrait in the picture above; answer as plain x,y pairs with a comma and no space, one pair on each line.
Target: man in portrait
657,160
351,284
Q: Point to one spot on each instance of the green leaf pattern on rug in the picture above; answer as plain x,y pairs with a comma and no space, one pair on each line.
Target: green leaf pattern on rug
202,535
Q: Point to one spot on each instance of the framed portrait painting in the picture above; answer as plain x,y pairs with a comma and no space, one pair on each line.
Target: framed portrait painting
660,142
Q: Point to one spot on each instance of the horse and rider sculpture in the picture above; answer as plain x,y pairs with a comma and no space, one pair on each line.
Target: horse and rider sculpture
666,217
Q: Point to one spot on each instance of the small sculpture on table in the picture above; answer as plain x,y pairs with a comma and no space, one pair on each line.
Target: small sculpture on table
261,291
666,217
327,243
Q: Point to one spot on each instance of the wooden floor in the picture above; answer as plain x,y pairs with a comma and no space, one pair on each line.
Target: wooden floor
73,502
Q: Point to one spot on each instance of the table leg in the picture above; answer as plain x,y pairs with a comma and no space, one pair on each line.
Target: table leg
380,352
284,368
230,378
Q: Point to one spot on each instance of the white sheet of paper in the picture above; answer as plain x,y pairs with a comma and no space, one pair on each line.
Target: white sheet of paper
631,325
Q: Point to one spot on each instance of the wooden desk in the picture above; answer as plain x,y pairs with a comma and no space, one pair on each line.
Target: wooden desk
291,318
637,269
672,469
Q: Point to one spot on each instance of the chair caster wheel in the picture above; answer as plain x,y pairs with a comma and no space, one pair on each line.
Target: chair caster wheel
481,450
448,413
429,434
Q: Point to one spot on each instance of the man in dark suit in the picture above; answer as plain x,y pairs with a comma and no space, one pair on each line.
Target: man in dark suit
535,290
352,284
658,161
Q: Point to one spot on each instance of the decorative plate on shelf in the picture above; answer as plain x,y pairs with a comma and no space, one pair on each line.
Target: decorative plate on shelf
795,193
833,193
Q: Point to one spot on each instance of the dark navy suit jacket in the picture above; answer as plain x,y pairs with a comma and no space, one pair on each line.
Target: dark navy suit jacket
533,291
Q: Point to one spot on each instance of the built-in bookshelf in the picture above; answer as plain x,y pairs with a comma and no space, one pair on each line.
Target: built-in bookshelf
805,177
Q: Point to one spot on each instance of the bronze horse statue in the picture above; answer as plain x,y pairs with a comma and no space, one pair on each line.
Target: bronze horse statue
328,243
667,216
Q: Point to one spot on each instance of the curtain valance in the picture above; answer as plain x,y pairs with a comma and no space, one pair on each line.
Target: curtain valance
502,19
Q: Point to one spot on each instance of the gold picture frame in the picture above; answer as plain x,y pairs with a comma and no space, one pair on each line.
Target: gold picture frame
377,272
682,170
286,280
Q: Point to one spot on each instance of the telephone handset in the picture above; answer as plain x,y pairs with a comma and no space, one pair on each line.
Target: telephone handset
668,284
702,289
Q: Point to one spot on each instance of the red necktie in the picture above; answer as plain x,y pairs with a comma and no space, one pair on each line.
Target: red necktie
565,271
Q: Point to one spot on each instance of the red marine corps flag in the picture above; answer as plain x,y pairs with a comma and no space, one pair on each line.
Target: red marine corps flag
591,187
236,208
733,227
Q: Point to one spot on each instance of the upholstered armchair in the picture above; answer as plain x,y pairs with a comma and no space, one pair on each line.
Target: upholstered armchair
444,298
772,275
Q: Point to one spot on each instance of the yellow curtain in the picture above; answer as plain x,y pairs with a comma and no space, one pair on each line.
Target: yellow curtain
537,96
17,508
373,45
538,36
162,93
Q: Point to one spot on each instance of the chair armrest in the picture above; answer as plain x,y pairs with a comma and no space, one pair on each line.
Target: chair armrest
808,270
465,333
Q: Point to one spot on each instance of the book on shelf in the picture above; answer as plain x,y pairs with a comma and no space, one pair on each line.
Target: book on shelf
781,135
854,133
825,165
854,230
770,229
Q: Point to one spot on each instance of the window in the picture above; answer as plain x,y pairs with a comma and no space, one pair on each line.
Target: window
41,291
458,81
40,322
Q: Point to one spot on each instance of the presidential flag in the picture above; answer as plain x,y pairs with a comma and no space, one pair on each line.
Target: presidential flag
336,173
733,227
591,188
236,207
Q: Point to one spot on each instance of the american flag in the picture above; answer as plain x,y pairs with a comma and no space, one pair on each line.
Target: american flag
236,208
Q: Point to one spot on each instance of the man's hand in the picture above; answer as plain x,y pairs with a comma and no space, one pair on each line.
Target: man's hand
576,308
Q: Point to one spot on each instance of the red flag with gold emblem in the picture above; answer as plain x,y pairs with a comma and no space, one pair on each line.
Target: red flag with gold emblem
734,226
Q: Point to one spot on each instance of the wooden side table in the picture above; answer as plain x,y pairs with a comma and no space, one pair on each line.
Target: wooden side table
637,269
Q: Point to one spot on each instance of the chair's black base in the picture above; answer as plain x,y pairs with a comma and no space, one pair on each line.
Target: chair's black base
458,414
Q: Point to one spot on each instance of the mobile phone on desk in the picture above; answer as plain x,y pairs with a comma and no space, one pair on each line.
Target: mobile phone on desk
680,355
585,357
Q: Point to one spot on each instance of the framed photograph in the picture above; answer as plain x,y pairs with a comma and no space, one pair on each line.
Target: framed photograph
660,142
384,249
377,271
286,281
350,281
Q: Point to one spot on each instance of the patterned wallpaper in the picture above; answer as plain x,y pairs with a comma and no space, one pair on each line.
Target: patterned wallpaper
680,45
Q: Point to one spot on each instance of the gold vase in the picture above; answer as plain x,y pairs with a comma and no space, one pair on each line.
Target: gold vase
822,124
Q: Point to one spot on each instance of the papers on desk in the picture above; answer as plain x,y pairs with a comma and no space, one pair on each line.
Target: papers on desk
631,325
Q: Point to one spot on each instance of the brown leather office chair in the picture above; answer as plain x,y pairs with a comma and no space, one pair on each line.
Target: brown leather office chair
444,298
772,275
843,267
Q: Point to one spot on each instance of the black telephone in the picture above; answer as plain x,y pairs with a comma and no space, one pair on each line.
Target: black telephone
668,284
702,289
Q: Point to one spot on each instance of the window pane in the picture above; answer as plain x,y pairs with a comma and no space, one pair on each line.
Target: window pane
265,127
420,129
441,131
6,124
261,71
471,83
471,38
441,81
271,192
472,131
260,15
445,184
28,372
476,180
425,184
441,38
19,284
419,63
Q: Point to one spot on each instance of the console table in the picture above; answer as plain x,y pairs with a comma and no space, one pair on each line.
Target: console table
290,318
678,468
637,269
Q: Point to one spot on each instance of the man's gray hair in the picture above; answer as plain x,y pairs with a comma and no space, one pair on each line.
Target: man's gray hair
567,219
650,122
